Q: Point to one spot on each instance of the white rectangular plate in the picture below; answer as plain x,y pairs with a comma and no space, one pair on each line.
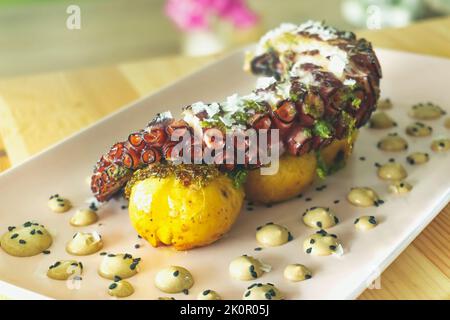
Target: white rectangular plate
408,79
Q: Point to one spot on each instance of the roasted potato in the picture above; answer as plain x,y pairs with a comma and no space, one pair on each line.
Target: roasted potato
168,211
295,174
338,150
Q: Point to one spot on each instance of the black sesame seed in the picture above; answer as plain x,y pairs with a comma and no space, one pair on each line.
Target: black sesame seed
103,253
11,228
308,276
206,292
312,241
333,235
123,207
186,291
39,232
133,266
111,255
254,274
377,165
391,160
258,228
33,232
308,199
308,250
319,224
77,278
253,285
268,296
117,278
74,264
333,248
336,220
46,252
57,263
247,293
80,264
362,158
113,286
290,236
176,273
139,237
137,246
27,224
356,221
15,235
258,249
251,268
336,201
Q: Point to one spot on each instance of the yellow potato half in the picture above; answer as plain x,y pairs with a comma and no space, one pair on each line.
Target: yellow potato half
344,146
166,211
294,175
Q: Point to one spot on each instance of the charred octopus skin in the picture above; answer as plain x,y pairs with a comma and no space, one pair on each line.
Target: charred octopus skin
319,85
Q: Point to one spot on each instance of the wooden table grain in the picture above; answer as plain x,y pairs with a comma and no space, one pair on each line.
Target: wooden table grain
39,110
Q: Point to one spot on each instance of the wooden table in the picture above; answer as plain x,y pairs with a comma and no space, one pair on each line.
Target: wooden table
39,110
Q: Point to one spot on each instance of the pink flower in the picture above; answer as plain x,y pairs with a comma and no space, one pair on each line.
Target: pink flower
196,14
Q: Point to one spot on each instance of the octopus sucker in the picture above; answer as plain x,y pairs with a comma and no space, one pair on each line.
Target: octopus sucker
325,85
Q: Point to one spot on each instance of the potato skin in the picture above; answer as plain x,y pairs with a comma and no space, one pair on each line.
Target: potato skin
330,152
295,174
166,212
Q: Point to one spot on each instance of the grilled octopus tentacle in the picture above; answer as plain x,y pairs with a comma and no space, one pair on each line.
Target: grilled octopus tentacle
309,102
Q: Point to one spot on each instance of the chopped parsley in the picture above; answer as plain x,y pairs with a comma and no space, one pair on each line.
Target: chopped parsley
239,176
322,129
323,170
356,102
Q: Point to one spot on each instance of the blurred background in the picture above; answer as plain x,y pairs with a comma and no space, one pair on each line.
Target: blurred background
46,35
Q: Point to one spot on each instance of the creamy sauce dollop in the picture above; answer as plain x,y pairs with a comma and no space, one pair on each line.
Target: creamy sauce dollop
174,279
26,240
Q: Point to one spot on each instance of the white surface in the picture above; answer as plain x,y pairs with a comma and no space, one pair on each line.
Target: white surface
408,79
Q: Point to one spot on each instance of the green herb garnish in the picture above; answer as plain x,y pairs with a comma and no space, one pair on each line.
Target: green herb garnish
356,102
322,129
239,176
323,170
